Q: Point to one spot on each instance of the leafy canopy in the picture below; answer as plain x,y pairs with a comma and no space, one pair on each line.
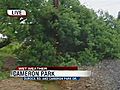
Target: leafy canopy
69,35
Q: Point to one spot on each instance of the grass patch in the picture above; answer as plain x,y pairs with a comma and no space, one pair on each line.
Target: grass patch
4,75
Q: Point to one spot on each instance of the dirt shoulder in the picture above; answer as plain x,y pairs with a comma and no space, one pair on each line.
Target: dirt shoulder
19,84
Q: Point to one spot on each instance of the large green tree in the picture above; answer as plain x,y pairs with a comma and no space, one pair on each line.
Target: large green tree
69,35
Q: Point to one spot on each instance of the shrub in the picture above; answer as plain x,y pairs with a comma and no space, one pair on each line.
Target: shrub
88,57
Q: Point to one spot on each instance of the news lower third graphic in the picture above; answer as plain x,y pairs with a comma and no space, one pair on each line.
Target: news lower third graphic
43,73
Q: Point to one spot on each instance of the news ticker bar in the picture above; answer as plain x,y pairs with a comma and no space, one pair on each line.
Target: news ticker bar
46,68
50,73
51,78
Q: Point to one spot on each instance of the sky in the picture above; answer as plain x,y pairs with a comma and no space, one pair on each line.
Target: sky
112,6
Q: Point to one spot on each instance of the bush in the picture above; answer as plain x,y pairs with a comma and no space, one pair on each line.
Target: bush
4,75
88,57
68,60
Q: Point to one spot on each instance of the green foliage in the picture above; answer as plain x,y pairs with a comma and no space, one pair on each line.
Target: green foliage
104,38
67,60
88,57
4,75
38,54
82,36
8,51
